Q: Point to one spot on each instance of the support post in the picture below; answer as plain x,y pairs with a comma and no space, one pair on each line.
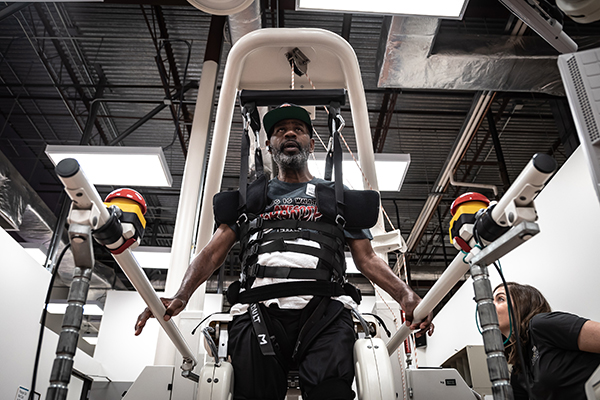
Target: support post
80,237
492,337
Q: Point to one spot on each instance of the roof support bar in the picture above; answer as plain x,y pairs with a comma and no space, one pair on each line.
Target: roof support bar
147,117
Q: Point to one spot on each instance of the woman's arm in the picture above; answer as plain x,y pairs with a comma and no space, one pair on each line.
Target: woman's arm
589,337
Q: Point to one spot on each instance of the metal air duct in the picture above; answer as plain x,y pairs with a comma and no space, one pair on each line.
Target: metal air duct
462,61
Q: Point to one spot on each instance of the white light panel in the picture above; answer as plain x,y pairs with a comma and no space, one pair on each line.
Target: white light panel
390,169
453,9
88,309
117,166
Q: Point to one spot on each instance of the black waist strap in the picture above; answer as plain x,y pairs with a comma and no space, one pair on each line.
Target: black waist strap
324,255
287,289
261,271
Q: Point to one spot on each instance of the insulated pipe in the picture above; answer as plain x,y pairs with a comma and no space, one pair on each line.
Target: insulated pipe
278,38
181,249
455,271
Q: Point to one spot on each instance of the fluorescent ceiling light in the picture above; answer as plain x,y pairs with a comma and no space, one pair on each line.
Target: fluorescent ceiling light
93,340
117,166
452,9
88,309
390,169
153,257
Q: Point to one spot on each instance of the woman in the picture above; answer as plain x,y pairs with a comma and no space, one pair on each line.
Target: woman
560,350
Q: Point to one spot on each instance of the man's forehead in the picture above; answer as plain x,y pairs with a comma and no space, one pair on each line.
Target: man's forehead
288,121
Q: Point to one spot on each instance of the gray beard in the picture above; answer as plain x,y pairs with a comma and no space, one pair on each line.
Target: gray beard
287,162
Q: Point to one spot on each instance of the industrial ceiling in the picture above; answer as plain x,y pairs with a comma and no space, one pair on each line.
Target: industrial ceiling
471,100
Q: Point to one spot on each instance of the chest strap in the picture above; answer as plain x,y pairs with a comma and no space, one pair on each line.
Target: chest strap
262,271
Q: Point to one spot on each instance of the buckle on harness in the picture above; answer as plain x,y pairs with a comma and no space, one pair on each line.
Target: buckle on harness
242,220
252,270
256,223
253,249
339,220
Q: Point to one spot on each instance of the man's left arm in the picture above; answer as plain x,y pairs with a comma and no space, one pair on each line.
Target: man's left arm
379,272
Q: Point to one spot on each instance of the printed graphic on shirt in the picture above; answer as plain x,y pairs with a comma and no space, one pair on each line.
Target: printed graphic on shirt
304,213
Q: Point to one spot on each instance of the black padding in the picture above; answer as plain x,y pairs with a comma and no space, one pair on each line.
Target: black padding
333,389
225,206
361,206
233,292
256,197
317,97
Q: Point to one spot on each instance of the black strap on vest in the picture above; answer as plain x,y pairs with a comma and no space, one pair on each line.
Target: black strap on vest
333,159
251,120
260,329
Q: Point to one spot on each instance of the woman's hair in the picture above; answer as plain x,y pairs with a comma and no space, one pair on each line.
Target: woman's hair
527,301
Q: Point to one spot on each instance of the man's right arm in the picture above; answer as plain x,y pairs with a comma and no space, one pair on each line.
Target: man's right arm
200,269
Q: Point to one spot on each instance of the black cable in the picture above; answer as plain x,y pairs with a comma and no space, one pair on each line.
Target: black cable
207,317
43,321
517,336
381,323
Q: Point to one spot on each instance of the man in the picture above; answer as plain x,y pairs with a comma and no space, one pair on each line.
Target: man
311,334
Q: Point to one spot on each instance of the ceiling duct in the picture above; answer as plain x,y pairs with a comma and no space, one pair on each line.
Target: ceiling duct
407,59
21,209
245,21
24,212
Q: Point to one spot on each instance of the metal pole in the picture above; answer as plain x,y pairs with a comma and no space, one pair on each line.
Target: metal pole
81,247
192,183
492,337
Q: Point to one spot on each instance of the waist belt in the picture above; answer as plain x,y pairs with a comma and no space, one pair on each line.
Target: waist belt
287,289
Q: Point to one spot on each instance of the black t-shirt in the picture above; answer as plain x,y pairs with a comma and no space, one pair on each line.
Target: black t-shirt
557,368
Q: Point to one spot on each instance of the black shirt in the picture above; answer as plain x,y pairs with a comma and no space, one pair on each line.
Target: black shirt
557,368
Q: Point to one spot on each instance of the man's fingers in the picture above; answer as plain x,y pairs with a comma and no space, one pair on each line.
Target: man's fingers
141,321
174,307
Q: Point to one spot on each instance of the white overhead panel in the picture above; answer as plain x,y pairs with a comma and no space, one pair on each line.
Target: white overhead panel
390,169
451,9
117,166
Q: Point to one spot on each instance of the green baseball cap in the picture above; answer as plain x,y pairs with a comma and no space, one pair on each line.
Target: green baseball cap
286,111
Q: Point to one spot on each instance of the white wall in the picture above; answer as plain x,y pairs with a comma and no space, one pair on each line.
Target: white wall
22,295
122,354
561,261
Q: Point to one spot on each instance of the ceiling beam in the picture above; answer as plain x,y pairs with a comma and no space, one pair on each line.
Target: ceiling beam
68,67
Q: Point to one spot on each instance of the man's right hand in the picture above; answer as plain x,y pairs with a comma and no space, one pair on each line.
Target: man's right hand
173,307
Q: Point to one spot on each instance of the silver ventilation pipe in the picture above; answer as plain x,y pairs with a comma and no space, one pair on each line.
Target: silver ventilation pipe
461,61
21,209
245,21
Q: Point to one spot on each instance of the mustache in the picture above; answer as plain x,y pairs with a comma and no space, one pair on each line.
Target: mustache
287,143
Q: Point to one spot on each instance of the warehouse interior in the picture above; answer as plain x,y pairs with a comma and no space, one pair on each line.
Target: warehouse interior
471,100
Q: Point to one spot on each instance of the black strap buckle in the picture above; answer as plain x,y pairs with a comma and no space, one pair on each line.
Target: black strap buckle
340,220
256,223
242,219
253,270
253,250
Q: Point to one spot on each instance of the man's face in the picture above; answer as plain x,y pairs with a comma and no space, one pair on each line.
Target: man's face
291,143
